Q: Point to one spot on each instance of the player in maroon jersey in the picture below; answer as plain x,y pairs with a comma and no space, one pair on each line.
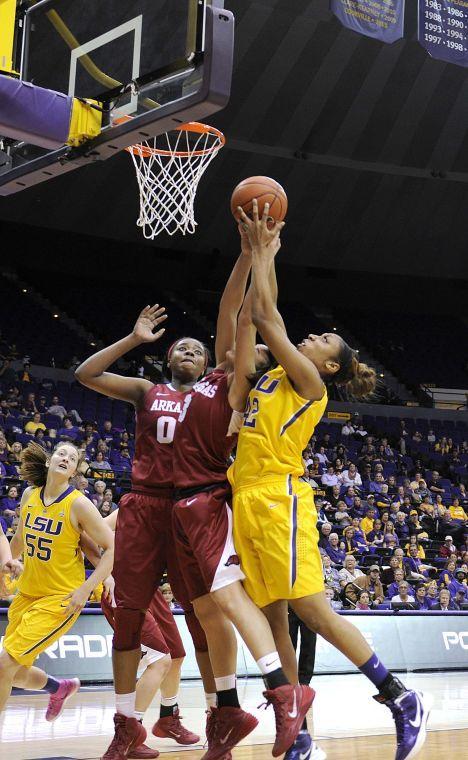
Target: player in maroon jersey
207,558
143,535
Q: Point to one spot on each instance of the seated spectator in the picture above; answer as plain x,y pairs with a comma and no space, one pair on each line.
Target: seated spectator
358,532
68,432
338,465
24,375
457,513
376,537
109,496
121,459
403,596
34,424
389,530
361,432
420,598
40,438
422,493
434,484
350,571
413,541
9,504
458,585
359,507
330,478
106,507
401,527
351,477
82,484
29,404
430,436
448,573
57,408
460,598
415,527
98,496
463,499
442,446
42,405
348,497
376,483
445,602
333,600
325,531
382,499
334,550
322,457
372,584
392,486
335,497
398,577
363,601
351,543
432,593
107,432
99,463
415,568
349,596
315,471
330,574
448,548
348,429
3,449
367,523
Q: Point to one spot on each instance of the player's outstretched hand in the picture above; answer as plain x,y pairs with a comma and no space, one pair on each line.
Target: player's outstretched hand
246,248
76,601
13,568
262,233
148,321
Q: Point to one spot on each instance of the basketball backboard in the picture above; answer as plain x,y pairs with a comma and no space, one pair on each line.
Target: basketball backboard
162,62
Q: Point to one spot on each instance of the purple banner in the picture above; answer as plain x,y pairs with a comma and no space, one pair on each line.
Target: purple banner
443,29
381,19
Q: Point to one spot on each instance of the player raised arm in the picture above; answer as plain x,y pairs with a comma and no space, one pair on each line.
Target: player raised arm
85,518
231,301
302,373
92,372
240,383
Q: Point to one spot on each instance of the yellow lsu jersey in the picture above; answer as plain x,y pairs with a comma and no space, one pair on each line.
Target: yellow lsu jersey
278,424
53,562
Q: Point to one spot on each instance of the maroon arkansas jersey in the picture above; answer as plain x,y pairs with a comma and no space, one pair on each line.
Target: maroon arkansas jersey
201,444
156,422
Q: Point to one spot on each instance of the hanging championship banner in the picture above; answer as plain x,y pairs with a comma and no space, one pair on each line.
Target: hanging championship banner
443,29
381,19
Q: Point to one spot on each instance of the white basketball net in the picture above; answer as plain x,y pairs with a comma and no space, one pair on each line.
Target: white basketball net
169,168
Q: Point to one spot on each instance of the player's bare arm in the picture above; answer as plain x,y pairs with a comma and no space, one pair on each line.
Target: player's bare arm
302,373
244,363
231,301
8,565
93,372
17,542
85,518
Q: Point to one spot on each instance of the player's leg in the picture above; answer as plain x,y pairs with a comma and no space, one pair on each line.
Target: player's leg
155,667
169,724
277,616
138,566
8,669
60,689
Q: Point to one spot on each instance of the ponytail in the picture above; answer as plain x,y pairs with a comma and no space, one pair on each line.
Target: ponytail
359,379
33,466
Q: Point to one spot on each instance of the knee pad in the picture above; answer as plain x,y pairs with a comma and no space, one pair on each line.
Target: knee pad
127,628
196,631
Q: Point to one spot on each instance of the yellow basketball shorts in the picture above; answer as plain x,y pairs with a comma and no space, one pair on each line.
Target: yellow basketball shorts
276,539
34,623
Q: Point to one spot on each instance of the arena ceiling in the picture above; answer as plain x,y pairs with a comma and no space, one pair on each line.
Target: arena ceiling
369,140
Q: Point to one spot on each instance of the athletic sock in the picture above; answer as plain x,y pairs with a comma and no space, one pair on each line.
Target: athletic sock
52,685
226,691
168,706
125,704
139,715
210,699
271,670
388,686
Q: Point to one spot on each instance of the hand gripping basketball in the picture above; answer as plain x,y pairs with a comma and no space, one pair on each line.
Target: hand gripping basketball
263,235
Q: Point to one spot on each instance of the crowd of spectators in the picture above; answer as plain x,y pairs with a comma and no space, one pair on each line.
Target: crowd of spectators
393,528
392,505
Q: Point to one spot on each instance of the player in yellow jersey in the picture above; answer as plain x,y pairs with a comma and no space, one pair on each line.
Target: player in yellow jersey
52,587
275,532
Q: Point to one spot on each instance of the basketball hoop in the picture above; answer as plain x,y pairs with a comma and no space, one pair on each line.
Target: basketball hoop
169,168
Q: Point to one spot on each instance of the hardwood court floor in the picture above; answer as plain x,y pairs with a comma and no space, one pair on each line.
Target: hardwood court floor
349,725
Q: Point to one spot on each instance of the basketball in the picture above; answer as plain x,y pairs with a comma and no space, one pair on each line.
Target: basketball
265,190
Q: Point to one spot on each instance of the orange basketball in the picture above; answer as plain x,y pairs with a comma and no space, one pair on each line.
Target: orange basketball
265,190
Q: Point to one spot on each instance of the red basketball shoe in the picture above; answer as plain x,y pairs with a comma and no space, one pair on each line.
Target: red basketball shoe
143,752
171,728
68,687
129,734
290,704
226,727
